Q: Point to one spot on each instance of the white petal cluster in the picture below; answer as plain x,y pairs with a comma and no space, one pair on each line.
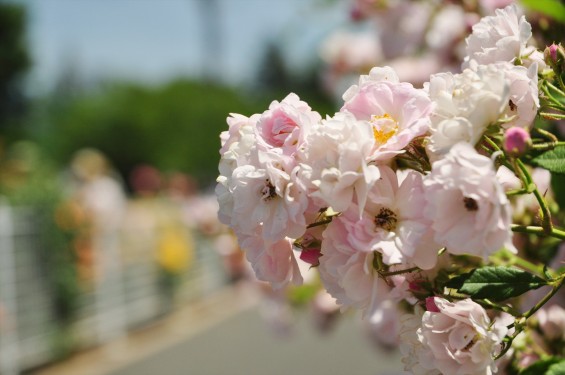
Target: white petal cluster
502,37
385,194
337,161
466,104
469,210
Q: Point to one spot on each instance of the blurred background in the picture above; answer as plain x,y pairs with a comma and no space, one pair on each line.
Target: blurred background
112,260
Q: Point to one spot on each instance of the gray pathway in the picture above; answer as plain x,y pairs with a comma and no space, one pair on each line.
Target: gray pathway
243,345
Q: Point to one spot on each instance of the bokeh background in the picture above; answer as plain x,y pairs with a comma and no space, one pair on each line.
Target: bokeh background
112,260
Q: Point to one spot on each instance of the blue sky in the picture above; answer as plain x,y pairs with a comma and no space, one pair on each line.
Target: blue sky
155,40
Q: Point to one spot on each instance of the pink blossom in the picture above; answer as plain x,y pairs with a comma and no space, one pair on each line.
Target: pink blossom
392,222
396,111
348,273
384,324
467,205
347,51
460,338
272,261
489,6
285,124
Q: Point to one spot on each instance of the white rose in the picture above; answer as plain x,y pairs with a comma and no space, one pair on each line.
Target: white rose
502,37
466,204
465,105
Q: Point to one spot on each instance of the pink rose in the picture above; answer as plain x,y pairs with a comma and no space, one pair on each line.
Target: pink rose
285,124
397,111
460,338
272,261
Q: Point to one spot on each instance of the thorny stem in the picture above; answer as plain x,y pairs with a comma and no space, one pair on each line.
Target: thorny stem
557,284
398,272
550,97
557,233
552,116
529,187
555,88
529,183
321,222
548,135
547,146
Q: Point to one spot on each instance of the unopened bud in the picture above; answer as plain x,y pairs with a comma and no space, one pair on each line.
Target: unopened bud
517,141
554,56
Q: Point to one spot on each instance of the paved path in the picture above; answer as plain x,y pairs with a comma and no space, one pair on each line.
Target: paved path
226,335
244,345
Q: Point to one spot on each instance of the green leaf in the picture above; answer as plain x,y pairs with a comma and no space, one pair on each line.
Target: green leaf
556,368
552,160
495,283
551,8
545,366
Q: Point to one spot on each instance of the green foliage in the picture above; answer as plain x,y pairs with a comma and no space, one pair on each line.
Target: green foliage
173,127
552,160
14,61
303,294
548,366
551,8
29,181
495,283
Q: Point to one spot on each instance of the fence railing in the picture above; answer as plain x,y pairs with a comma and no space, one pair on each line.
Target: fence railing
126,290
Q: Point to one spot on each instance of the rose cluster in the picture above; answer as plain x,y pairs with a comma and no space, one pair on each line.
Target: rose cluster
380,195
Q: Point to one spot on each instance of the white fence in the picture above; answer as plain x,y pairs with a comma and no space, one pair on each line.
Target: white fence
125,294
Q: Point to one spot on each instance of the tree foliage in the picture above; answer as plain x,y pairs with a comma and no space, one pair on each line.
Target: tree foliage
172,127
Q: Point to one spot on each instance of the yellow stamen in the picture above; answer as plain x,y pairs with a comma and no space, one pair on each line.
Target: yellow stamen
384,127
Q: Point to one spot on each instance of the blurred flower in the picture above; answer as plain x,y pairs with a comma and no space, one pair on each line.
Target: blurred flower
346,51
175,250
384,324
552,322
146,180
